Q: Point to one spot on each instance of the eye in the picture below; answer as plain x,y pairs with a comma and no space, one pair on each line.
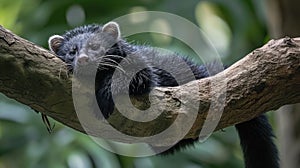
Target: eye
73,50
94,46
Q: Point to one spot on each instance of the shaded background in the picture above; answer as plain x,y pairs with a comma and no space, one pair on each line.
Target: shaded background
235,27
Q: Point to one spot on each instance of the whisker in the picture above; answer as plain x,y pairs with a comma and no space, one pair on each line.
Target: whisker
107,58
117,56
113,61
110,65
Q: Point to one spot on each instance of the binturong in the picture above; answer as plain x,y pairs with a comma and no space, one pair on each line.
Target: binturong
103,45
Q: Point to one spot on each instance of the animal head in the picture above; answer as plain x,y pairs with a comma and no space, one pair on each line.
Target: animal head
85,44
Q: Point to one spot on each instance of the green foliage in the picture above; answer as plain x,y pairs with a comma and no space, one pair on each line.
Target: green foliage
238,27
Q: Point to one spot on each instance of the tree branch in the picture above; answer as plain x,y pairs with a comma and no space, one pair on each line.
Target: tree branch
264,80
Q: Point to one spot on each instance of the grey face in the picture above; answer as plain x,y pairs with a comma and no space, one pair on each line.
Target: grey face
85,47
99,44
96,47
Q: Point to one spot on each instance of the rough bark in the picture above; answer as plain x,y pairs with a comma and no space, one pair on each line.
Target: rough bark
264,80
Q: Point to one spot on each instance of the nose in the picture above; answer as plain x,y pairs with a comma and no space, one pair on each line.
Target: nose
83,59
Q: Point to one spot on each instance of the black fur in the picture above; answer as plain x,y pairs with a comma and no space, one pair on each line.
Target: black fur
256,141
255,135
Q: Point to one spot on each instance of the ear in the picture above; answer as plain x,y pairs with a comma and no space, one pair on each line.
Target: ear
55,42
113,29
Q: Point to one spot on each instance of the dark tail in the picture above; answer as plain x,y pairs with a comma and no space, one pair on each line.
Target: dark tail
256,138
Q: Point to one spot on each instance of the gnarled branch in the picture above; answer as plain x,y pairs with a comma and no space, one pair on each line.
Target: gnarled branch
264,80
